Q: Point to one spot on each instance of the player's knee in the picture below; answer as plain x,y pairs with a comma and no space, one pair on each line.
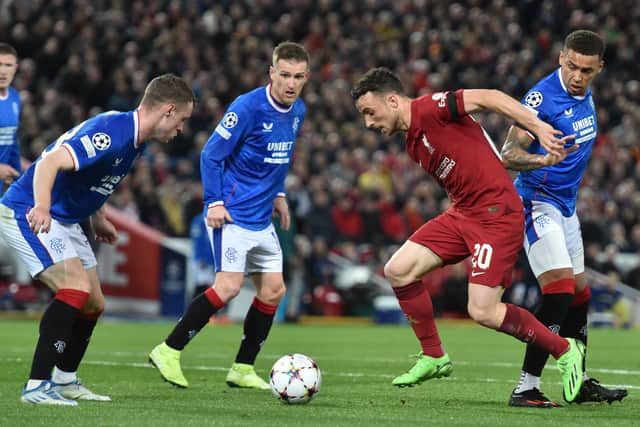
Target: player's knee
274,294
227,290
94,305
482,314
394,273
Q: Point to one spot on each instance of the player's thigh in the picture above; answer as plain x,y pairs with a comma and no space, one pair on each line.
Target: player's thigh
410,262
265,255
229,246
575,246
545,243
38,251
66,274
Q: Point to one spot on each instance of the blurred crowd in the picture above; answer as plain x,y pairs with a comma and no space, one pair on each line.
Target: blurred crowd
352,192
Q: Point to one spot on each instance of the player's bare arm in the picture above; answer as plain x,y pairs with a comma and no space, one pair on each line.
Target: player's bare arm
281,208
7,173
479,99
43,178
515,155
103,229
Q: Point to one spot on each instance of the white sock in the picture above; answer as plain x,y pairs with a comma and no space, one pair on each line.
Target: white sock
527,382
61,377
31,384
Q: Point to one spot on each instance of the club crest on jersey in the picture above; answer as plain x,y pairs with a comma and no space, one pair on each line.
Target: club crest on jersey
440,97
533,99
296,123
230,120
101,141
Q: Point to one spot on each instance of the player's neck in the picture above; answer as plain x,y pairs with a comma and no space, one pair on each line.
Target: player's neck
404,118
145,123
4,92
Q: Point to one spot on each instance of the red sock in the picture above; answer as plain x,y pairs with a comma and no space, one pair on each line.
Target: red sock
415,302
523,325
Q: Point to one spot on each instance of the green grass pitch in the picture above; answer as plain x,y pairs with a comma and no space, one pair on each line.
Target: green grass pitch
357,363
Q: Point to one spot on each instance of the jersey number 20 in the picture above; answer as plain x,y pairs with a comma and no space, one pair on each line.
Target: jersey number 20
482,255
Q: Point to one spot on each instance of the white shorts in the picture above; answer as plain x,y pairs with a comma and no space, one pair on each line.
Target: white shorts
551,240
39,252
236,249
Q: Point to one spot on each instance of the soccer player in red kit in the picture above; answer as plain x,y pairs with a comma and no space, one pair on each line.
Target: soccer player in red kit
485,219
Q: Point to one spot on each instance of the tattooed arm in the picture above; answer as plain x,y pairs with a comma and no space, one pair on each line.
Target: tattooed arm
516,157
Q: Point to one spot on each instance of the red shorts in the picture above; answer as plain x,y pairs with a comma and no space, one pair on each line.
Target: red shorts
493,243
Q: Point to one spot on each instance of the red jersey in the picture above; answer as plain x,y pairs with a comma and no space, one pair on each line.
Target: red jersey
449,144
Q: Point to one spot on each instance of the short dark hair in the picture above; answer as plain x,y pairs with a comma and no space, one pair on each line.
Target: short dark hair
377,80
290,51
7,49
167,88
585,42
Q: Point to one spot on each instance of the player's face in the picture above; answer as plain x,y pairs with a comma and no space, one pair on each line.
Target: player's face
172,122
8,68
578,71
378,112
287,80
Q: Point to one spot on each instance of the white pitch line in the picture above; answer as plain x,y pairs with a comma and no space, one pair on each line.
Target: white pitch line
324,373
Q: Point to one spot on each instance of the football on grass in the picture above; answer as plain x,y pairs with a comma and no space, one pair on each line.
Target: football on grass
295,378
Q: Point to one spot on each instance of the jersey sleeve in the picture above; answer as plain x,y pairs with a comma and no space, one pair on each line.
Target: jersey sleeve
444,106
91,141
232,129
534,100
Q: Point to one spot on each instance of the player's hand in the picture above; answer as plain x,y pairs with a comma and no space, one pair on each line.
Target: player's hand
551,139
217,216
7,173
104,230
39,219
553,159
281,208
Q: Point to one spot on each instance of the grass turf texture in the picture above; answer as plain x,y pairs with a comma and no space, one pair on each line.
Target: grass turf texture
357,362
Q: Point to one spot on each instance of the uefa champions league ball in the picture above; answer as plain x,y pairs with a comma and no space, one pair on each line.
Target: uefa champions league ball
295,378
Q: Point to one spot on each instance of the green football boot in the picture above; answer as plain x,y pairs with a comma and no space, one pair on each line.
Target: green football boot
244,376
426,368
570,366
167,360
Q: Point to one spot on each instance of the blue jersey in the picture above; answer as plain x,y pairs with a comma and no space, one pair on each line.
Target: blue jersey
247,157
9,118
103,149
558,184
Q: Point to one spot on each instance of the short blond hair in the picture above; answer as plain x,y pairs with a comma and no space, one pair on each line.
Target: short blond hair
167,88
290,51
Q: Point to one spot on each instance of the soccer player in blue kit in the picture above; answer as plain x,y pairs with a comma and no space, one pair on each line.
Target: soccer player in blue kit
548,186
40,216
10,106
244,165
